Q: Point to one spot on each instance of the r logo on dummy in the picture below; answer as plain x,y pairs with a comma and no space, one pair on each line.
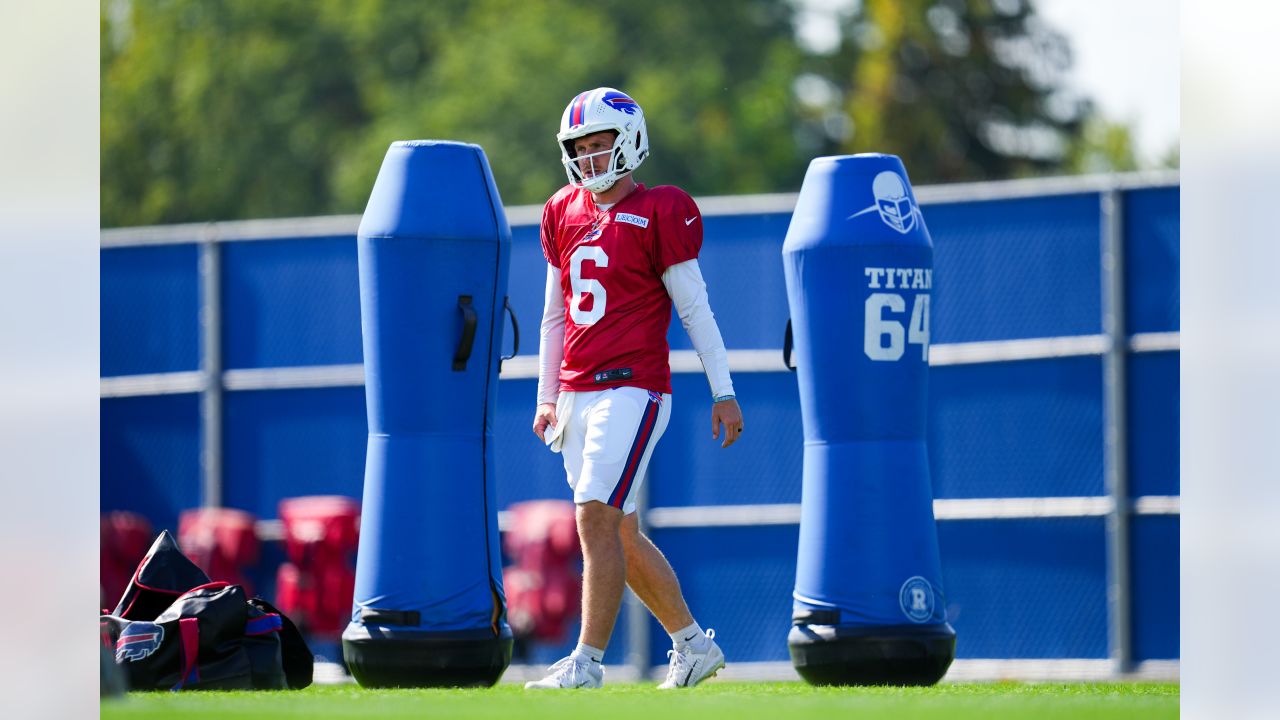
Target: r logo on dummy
916,599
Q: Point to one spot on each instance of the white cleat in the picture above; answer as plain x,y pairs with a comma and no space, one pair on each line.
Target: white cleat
690,667
570,673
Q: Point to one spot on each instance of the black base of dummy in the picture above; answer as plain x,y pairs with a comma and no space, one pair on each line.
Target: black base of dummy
889,655
379,657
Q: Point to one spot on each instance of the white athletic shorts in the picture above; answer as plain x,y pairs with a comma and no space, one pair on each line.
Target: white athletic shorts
606,438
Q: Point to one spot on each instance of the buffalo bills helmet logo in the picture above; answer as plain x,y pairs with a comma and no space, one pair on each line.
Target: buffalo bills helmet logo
138,640
618,101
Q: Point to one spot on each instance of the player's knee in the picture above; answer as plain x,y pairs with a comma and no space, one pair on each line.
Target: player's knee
598,523
631,536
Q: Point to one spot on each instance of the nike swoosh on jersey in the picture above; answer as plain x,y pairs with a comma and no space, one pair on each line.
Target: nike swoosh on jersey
690,220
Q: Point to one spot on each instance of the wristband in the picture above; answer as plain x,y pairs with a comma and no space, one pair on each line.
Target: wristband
721,398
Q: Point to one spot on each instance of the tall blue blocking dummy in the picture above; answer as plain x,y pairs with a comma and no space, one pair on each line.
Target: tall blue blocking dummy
868,604
434,245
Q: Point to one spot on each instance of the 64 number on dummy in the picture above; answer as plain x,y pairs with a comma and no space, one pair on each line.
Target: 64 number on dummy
888,329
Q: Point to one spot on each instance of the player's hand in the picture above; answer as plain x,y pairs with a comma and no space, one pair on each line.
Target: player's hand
727,413
542,418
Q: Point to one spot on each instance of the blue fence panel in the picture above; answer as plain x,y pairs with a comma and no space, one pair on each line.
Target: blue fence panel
1154,398
1156,605
149,456
150,300
1014,588
526,286
1005,269
286,443
1017,429
1024,268
690,468
1152,258
290,303
1026,588
737,580
526,469
741,260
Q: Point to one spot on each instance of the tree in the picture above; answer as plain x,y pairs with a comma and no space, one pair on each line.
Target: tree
1104,146
286,107
961,89
222,110
239,109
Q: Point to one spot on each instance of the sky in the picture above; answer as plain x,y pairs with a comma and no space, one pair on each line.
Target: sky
1126,59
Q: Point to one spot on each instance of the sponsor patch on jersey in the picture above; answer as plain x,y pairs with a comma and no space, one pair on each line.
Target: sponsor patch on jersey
138,640
632,219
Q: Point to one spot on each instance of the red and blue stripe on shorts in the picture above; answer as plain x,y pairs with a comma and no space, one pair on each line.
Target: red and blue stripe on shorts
648,421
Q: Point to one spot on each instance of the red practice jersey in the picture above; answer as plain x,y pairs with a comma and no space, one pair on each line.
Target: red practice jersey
617,310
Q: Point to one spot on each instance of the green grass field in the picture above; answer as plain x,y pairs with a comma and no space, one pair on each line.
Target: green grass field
713,701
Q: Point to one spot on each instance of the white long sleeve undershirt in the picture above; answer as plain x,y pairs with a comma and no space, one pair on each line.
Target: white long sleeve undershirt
688,292
551,339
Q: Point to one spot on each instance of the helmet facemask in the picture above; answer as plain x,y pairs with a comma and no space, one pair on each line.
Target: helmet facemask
581,168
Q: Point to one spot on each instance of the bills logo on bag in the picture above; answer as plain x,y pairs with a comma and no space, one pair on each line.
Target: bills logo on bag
138,640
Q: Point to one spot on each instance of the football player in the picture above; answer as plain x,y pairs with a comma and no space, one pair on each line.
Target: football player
620,256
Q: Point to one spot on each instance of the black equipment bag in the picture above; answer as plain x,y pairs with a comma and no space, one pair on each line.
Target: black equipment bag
173,629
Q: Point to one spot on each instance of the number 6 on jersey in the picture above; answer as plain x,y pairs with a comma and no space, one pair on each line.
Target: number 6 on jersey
582,286
878,327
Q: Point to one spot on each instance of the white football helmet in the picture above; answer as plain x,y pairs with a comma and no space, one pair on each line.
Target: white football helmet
595,111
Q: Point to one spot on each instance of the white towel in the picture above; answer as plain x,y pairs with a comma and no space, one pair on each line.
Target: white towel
554,437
